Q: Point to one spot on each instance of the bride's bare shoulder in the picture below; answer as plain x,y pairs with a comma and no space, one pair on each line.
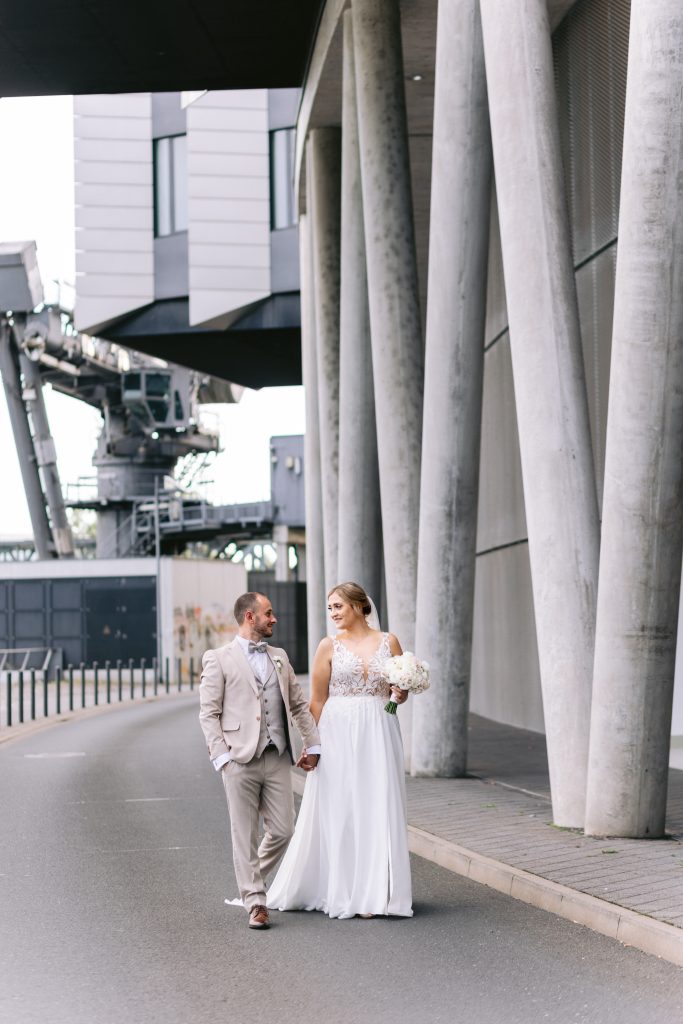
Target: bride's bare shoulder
394,645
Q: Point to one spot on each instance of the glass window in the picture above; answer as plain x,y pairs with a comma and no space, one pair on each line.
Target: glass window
170,185
282,211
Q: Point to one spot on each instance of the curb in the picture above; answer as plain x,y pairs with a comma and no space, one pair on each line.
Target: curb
23,730
626,926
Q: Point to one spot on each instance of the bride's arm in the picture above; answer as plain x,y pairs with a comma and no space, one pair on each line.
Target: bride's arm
400,696
320,677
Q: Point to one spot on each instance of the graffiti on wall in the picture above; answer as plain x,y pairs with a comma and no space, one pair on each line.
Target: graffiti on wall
196,629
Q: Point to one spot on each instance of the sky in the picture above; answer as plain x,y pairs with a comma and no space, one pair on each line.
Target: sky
36,202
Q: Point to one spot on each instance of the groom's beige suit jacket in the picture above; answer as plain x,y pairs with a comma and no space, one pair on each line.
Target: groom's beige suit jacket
230,703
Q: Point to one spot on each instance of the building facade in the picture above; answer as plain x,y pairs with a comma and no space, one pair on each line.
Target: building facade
186,237
489,218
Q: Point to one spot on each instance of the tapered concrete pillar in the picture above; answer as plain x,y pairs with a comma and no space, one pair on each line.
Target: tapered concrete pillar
46,457
360,520
454,362
550,391
35,499
393,296
323,185
642,527
316,598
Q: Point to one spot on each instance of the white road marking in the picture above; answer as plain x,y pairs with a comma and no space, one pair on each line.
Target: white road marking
147,799
69,753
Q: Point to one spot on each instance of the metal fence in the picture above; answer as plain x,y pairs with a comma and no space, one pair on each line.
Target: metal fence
31,694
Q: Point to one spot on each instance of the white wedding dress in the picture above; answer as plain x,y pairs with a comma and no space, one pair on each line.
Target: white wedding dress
349,852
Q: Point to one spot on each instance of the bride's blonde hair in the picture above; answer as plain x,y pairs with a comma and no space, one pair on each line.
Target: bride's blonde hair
353,593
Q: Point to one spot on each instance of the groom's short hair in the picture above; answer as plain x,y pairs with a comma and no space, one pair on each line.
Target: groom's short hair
245,603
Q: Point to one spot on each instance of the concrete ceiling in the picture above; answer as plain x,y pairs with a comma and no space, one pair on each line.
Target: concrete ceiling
53,47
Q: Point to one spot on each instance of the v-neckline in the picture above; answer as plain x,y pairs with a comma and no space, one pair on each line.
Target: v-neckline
366,665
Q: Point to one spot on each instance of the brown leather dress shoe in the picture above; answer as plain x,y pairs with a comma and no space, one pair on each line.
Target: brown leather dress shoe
258,917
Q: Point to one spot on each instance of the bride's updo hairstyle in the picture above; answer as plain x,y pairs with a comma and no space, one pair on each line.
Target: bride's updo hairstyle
353,594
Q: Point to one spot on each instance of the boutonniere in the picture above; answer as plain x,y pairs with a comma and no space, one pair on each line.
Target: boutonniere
278,664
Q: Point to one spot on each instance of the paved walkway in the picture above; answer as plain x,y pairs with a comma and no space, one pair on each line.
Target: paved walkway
502,815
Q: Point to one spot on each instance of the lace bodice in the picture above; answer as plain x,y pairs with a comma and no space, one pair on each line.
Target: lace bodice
348,671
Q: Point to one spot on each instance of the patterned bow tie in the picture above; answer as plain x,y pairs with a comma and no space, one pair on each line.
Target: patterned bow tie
257,648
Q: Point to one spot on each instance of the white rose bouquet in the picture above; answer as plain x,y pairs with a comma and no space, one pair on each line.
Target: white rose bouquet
407,673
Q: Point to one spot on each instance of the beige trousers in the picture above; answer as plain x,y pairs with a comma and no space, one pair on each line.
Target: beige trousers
262,786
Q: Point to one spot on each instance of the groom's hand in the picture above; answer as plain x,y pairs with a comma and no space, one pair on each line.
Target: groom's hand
308,762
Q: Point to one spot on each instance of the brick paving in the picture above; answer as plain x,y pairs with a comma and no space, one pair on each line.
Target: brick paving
503,811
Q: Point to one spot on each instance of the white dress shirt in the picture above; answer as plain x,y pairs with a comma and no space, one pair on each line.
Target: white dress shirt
260,663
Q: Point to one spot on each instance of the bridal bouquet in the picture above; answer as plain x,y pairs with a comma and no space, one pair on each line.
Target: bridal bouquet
407,673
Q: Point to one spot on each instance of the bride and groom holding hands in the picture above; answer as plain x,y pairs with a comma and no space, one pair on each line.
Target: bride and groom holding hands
348,855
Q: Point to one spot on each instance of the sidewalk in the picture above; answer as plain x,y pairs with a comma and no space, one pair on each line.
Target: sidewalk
496,827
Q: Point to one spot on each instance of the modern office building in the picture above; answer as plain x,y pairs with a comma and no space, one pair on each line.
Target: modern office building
186,236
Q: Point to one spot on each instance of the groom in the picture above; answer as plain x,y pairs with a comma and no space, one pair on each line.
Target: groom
248,696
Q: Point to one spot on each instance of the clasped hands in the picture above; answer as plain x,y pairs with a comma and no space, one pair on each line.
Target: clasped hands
309,762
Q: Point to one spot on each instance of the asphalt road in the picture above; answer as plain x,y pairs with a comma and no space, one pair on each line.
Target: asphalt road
114,862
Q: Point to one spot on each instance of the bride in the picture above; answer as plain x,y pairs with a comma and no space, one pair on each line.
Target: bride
349,852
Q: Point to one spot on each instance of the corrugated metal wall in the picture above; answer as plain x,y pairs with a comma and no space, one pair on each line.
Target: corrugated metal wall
591,51
92,619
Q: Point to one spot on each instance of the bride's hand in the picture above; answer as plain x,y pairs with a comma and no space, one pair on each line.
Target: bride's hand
399,695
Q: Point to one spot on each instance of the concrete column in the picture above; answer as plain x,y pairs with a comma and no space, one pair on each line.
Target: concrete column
35,499
360,519
454,364
281,542
393,296
46,456
550,390
642,528
316,597
323,184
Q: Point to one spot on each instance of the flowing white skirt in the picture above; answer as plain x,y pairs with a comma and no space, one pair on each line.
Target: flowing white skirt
349,852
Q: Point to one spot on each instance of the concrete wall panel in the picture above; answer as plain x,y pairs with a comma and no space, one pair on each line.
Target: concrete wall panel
235,142
496,306
595,292
501,494
114,217
114,203
229,203
112,127
506,682
247,255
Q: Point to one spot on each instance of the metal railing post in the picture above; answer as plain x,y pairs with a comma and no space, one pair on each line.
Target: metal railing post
96,681
33,695
132,679
168,677
143,669
9,698
82,666
58,688
21,696
119,679
155,675
107,669
70,670
46,709
192,673
180,674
